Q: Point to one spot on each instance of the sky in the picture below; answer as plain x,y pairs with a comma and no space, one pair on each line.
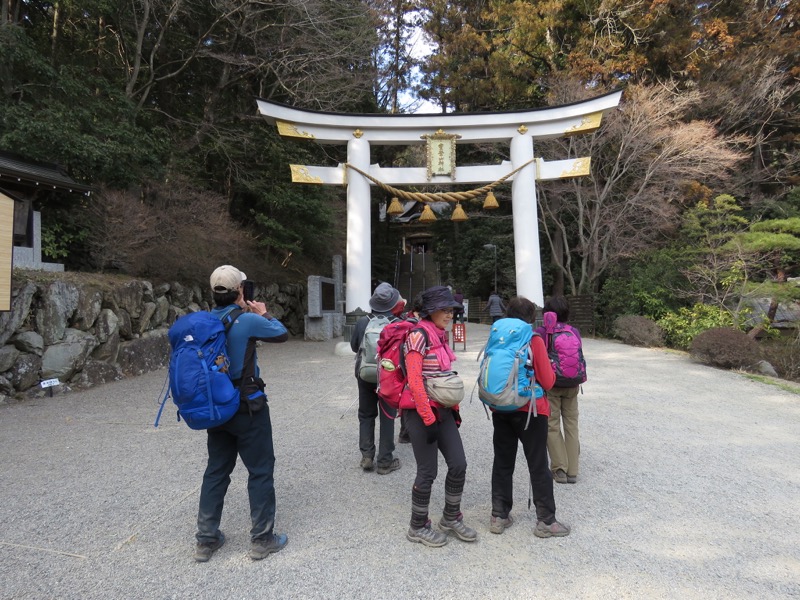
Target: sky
419,48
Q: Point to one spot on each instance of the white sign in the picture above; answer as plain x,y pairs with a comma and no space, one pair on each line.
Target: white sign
50,383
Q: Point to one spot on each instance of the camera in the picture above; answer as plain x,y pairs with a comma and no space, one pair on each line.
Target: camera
248,290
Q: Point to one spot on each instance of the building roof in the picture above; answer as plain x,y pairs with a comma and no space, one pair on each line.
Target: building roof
20,170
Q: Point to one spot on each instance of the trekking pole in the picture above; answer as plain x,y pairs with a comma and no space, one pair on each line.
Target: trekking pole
346,410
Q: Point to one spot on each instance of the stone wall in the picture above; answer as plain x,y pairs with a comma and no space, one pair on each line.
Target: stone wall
89,333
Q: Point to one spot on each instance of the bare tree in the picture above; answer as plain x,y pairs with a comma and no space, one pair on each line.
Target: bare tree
311,53
726,278
756,95
121,228
173,230
641,159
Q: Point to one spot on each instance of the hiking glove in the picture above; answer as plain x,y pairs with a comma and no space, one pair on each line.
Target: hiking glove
432,431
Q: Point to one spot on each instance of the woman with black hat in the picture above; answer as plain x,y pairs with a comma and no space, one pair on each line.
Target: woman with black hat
433,427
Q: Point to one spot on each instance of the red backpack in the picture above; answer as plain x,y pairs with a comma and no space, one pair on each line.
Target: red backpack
392,378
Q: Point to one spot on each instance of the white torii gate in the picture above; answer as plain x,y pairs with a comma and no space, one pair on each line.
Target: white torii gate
519,128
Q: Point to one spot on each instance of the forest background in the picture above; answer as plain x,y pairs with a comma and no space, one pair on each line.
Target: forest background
691,213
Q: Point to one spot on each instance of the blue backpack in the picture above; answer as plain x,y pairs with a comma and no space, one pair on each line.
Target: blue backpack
506,381
199,382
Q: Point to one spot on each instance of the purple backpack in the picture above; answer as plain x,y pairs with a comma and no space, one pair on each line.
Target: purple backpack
565,351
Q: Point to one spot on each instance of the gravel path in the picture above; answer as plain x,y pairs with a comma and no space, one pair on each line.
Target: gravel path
689,488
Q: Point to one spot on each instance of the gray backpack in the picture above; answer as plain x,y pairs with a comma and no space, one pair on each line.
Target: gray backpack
368,371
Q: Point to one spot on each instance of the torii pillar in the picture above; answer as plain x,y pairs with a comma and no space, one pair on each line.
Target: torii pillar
517,128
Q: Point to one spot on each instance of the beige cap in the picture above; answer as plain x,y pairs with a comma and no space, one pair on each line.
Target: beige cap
227,279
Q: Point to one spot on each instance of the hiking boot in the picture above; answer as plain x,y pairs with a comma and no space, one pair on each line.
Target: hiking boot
572,478
261,549
392,466
560,476
468,534
204,550
367,463
499,524
555,529
427,536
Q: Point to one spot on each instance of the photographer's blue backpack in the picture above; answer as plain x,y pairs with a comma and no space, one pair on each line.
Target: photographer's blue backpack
199,382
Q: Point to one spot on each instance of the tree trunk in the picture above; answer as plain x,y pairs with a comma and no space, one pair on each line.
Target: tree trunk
55,33
5,69
557,260
137,56
771,311
397,49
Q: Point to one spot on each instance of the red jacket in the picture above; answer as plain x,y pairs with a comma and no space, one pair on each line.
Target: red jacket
543,372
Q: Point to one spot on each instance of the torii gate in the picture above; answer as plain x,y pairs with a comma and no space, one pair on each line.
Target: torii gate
519,128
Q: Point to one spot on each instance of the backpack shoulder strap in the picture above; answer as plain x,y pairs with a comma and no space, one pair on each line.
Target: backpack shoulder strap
530,346
229,318
402,358
424,333
370,318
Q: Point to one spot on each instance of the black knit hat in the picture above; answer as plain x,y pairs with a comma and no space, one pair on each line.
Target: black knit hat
436,298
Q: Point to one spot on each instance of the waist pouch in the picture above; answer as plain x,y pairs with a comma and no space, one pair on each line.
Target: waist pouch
445,388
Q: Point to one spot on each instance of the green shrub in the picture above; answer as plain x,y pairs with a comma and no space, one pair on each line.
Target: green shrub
644,285
638,331
681,327
725,347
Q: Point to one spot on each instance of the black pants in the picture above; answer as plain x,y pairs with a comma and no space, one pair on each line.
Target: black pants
427,457
368,411
509,430
249,436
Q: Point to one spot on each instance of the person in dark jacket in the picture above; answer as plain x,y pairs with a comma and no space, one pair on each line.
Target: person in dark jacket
249,433
385,302
510,429
495,306
458,315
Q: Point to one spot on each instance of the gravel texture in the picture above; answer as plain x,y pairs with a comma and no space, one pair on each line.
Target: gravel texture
689,488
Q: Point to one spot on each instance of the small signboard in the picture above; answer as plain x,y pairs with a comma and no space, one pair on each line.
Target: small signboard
459,334
49,384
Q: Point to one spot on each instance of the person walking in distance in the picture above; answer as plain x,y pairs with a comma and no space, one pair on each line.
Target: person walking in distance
249,433
387,305
495,306
458,315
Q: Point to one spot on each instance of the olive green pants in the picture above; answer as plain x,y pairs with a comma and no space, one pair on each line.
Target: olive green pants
564,448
